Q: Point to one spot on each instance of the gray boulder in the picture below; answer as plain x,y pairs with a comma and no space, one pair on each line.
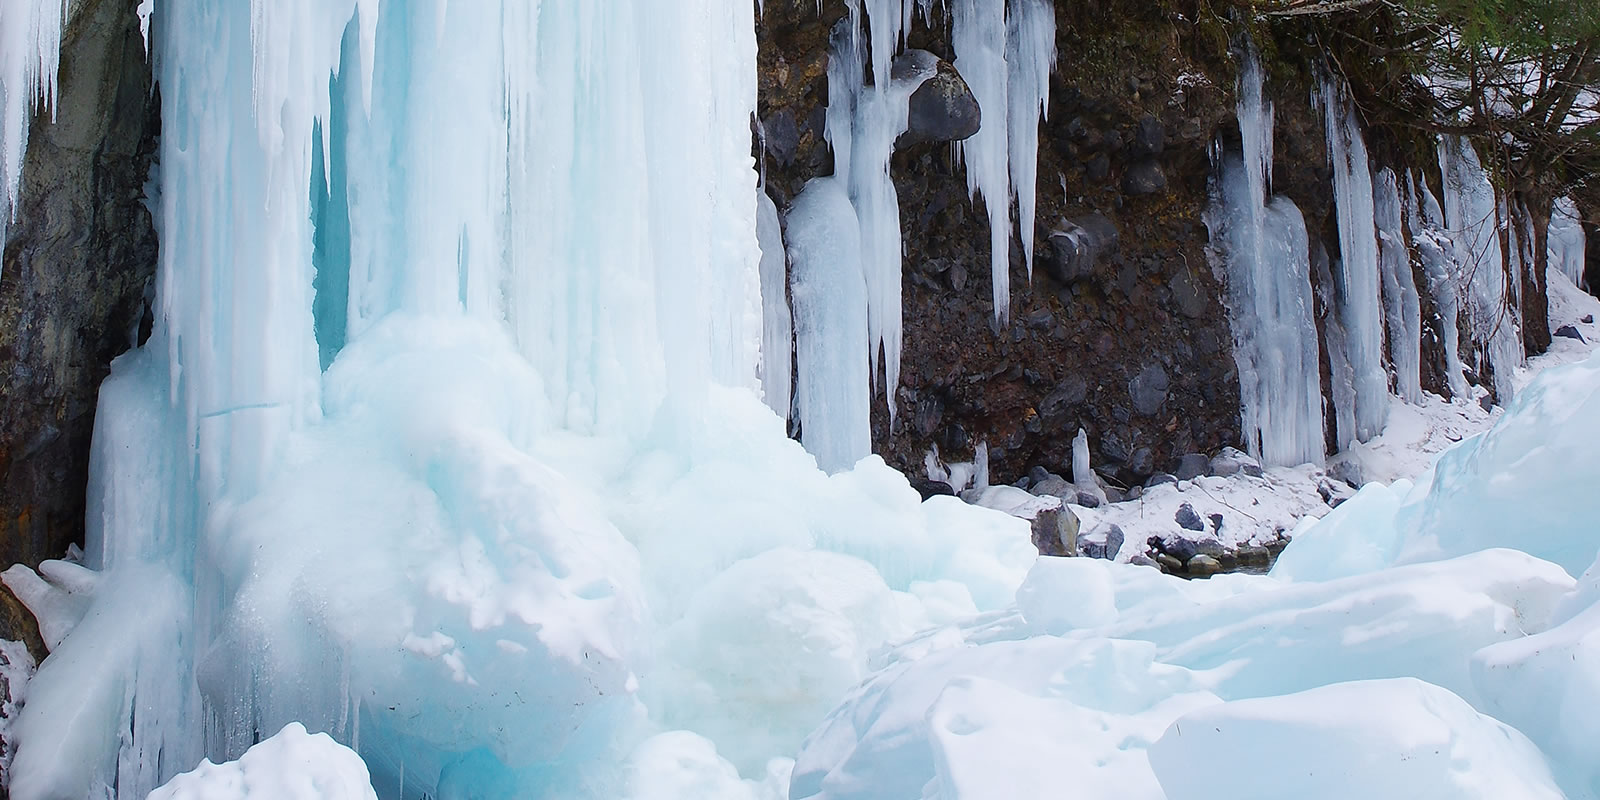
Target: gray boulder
1232,461
1188,519
943,109
1144,178
1193,466
1079,245
1149,389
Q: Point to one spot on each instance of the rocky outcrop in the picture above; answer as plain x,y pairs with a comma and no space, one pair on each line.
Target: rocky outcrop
78,262
1120,328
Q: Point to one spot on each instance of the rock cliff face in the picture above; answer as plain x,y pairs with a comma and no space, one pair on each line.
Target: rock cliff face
1125,336
72,294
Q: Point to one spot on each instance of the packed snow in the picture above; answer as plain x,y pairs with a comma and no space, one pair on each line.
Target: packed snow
291,765
1398,673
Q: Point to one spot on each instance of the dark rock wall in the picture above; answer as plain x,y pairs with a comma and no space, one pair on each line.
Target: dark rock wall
77,261
1134,345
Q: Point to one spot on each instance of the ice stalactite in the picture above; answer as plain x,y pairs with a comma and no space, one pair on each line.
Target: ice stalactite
1265,251
1006,55
1436,250
862,125
1566,239
1474,217
1357,273
30,52
777,324
1030,58
1402,306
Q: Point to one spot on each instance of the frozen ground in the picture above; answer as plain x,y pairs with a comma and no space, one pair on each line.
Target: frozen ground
1257,510
1427,642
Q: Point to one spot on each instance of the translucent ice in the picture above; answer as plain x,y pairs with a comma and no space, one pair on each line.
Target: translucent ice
1472,212
777,325
1402,307
830,323
1436,249
1265,253
1357,273
449,416
30,52
1567,241
1006,56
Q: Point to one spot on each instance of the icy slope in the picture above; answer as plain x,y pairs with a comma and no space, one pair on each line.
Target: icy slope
1447,634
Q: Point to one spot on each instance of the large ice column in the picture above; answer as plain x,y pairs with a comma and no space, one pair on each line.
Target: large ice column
1567,240
830,322
1437,253
1402,306
709,287
1265,251
30,50
777,325
1358,281
1006,61
1473,214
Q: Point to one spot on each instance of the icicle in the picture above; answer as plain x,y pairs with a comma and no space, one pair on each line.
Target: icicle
1030,58
1081,474
1266,254
777,332
1402,307
1435,249
1566,240
1006,62
1472,213
1358,279
979,41
863,124
30,53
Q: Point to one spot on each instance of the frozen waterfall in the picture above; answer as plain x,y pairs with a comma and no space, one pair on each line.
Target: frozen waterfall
447,440
1265,252
1357,271
1566,240
1402,309
1474,216
1436,249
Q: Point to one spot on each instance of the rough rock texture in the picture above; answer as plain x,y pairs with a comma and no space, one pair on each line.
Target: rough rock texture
1131,98
76,266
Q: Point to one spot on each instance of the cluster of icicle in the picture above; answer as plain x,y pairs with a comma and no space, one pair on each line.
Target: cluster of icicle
1267,261
844,229
1385,221
30,52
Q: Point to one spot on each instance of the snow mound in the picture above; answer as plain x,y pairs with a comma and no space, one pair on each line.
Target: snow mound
1364,665
293,765
1399,739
